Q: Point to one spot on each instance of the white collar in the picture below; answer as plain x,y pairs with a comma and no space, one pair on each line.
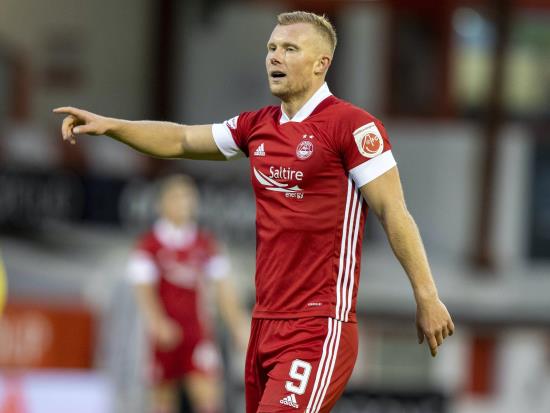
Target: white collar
174,236
322,93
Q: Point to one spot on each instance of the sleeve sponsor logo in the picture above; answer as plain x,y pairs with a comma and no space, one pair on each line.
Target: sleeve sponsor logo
369,140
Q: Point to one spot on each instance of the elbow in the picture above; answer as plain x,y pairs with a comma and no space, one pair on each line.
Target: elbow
183,140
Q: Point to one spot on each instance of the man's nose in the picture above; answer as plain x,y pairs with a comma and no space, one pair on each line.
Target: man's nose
275,57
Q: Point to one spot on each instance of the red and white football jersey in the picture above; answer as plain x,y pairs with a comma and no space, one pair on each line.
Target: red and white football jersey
178,260
306,173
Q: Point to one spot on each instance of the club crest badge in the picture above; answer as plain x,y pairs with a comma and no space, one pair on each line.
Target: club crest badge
369,140
304,150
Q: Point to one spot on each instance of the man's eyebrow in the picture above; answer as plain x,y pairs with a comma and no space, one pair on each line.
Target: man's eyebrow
284,44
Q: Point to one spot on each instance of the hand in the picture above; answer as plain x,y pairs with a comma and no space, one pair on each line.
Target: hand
433,322
166,333
81,122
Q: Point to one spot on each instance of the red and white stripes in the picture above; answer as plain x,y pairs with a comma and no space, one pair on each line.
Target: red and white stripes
326,366
344,293
348,251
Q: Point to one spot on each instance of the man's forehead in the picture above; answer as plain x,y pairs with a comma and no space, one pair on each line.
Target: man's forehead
297,33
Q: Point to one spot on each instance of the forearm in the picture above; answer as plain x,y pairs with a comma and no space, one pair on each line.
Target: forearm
149,304
229,307
386,199
159,139
234,317
406,243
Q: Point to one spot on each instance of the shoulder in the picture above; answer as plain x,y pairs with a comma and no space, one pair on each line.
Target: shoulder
351,114
206,239
348,122
244,123
147,242
264,113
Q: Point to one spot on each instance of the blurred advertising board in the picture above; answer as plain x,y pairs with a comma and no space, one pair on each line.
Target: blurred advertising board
55,392
38,335
30,198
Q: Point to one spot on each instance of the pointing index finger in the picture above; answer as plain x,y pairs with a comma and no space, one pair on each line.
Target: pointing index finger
66,109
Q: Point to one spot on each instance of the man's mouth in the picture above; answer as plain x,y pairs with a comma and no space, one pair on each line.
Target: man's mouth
277,74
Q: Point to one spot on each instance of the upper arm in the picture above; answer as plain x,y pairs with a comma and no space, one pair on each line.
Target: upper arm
219,141
199,143
365,147
223,292
141,267
385,193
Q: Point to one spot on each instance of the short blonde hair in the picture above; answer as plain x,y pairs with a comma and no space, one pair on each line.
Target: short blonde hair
321,24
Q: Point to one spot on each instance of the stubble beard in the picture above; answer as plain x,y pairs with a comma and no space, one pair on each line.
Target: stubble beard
289,93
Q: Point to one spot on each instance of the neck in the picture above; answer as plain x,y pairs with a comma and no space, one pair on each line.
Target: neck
178,223
293,104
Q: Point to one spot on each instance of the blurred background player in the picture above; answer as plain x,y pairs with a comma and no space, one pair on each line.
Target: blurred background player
170,268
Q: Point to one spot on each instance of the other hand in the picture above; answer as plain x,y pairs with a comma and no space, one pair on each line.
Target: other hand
433,322
166,333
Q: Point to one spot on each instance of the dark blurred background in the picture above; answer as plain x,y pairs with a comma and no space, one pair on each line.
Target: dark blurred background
463,88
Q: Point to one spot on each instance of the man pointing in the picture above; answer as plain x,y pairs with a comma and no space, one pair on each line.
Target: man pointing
318,164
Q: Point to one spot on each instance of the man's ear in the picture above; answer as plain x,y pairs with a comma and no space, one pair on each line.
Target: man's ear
322,64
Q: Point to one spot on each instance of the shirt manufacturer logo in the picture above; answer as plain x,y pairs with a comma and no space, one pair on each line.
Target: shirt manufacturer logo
369,140
289,400
260,150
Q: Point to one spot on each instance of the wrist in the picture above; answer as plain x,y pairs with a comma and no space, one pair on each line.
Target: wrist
113,127
425,295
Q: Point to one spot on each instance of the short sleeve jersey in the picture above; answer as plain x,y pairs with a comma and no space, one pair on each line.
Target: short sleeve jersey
178,261
306,173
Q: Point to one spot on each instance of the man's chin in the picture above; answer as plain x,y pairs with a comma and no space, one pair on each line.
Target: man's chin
279,91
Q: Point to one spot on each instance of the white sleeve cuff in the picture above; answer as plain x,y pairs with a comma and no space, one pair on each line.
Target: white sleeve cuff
226,143
141,268
218,267
372,169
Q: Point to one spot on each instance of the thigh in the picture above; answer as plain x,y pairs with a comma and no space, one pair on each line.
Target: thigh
164,397
311,370
204,391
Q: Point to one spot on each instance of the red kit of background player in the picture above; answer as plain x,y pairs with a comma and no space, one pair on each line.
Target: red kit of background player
178,261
